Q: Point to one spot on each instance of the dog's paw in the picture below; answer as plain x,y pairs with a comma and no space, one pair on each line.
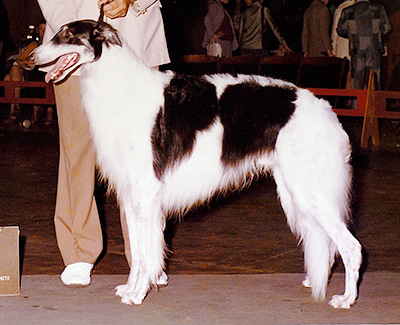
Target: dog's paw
342,301
129,297
163,279
121,289
306,283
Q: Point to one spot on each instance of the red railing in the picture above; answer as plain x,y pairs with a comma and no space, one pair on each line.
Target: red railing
9,92
379,101
369,103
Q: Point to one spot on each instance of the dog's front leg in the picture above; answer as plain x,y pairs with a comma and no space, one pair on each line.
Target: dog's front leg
145,223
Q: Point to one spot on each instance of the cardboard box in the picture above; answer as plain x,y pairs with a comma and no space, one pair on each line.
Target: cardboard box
9,261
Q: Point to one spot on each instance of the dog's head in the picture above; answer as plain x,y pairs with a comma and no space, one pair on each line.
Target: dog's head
76,43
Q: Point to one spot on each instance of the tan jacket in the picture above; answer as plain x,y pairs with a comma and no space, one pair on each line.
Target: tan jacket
316,36
142,28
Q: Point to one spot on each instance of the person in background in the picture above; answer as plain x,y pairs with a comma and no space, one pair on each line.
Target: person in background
393,46
254,17
315,36
77,224
15,73
23,70
340,44
36,75
364,24
219,27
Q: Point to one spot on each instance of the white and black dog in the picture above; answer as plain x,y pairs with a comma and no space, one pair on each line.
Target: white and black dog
168,142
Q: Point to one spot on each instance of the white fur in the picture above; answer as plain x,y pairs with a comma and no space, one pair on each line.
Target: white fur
310,164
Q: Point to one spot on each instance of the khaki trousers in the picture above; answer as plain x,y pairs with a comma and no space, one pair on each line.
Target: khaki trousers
77,223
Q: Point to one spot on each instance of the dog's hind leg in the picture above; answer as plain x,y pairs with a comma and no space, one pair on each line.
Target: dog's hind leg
323,233
145,222
329,232
350,251
313,178
321,242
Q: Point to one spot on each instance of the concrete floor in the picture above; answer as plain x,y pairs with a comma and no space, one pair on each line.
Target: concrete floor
237,255
201,299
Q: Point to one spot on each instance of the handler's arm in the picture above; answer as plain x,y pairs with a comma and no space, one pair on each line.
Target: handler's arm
119,8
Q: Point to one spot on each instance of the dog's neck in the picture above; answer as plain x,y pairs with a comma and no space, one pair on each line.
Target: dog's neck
114,64
117,75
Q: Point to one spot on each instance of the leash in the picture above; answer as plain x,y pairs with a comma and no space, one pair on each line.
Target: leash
101,17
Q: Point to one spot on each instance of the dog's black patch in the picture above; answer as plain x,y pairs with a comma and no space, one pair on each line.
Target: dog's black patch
68,33
98,33
191,105
252,116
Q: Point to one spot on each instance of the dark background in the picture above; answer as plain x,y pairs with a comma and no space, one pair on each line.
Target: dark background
244,233
184,20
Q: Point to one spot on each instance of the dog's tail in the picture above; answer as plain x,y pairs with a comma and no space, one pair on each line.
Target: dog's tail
319,249
319,256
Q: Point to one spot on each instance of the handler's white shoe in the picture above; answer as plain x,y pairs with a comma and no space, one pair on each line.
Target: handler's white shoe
77,274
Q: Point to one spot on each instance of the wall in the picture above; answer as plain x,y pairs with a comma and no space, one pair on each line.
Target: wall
21,14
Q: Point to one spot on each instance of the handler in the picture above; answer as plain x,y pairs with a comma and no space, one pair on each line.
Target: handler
77,224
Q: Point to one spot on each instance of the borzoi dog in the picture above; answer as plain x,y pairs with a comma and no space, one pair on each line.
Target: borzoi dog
169,142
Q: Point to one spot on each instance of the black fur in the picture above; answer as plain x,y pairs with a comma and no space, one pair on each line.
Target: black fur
252,116
98,33
191,105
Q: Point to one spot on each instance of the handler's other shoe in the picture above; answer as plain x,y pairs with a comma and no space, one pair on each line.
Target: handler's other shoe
77,274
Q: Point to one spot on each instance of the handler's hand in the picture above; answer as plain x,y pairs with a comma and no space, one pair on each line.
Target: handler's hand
115,8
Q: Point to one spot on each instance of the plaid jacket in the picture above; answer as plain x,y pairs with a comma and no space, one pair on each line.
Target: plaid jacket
364,24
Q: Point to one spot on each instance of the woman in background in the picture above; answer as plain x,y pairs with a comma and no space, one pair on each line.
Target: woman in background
219,27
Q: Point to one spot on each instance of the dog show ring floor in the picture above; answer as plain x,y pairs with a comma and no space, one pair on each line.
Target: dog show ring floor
233,261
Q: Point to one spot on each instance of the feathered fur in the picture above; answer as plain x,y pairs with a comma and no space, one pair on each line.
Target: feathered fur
167,142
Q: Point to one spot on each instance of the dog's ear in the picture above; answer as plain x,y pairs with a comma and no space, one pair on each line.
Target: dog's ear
103,35
112,37
106,35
